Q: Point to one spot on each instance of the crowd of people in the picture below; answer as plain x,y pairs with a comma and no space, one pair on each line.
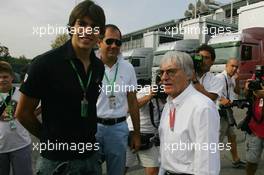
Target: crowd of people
175,129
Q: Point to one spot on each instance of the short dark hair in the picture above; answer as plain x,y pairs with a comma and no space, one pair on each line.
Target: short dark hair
114,27
5,67
90,9
205,47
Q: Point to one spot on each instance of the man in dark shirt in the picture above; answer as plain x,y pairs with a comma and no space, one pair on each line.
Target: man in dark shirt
66,80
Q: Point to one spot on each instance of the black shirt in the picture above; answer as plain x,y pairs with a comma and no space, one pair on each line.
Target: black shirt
52,79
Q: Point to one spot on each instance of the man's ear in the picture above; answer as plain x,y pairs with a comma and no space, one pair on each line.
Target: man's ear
99,42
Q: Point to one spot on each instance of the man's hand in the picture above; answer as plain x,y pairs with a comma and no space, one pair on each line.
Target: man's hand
225,101
199,87
246,84
135,142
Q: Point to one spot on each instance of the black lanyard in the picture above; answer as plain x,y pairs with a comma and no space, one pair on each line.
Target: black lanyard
227,95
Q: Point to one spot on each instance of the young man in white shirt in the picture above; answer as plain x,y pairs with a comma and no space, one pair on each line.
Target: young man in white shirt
151,102
189,121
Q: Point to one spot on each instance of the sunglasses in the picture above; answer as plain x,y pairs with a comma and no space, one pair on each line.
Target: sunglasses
110,41
169,72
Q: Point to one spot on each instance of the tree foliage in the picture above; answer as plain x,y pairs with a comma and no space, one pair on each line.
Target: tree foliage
4,51
59,40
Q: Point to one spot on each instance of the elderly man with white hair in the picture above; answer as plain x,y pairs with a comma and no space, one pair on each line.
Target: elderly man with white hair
189,126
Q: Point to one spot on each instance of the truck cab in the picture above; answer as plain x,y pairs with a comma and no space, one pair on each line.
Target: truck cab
141,59
247,46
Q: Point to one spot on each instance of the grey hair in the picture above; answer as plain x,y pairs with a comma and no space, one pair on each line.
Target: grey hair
181,59
231,59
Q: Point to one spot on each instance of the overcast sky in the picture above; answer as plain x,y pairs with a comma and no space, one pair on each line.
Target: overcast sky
20,19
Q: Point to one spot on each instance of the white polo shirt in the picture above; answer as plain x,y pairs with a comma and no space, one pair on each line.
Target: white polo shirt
126,81
13,139
145,122
211,83
229,85
196,122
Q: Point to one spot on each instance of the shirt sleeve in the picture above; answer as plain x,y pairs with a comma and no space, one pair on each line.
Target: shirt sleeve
207,158
33,84
133,79
214,85
221,80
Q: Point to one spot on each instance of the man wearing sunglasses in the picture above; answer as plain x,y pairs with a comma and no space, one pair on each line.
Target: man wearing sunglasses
117,96
204,81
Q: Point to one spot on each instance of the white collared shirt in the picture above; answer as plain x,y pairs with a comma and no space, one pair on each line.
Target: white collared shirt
196,122
211,83
231,84
126,81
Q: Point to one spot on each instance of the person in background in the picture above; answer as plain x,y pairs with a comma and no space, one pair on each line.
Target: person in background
230,78
15,141
151,101
203,80
255,140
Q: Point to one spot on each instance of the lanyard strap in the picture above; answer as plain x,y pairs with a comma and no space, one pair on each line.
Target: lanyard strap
8,99
227,95
111,83
11,92
84,87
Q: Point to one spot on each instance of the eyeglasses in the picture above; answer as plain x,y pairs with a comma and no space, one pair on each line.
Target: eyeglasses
110,41
169,72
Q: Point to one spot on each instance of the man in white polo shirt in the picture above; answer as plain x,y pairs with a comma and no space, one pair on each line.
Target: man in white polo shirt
118,94
189,126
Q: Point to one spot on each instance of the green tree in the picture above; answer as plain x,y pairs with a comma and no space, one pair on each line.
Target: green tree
4,51
59,40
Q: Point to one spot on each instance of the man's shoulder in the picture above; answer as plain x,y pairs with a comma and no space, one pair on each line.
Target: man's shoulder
214,80
220,76
124,63
51,55
200,99
210,75
98,62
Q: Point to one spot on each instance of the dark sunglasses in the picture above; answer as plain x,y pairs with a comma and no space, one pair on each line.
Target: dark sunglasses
110,41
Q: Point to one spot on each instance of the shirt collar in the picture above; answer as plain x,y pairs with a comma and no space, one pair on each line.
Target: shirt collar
180,98
202,77
119,58
226,75
70,53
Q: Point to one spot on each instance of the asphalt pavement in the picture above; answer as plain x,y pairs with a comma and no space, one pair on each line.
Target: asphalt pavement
226,162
